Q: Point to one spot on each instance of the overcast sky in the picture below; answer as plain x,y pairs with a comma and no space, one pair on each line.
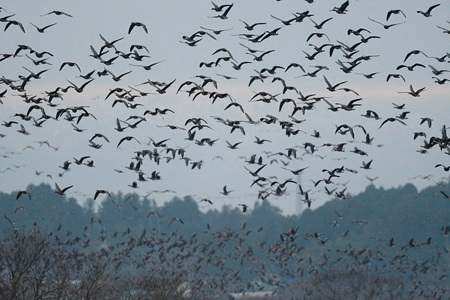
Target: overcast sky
395,155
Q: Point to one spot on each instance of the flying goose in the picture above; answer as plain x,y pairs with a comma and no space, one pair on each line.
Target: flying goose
60,191
137,24
42,29
58,13
428,12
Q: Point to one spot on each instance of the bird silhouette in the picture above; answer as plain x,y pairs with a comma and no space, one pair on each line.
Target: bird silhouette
60,191
427,13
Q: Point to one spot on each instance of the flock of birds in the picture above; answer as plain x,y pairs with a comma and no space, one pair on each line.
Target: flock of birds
272,131
50,105
277,93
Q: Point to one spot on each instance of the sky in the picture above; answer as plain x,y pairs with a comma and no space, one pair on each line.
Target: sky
395,154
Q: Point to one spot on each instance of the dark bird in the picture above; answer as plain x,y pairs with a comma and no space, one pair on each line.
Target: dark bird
260,141
42,29
216,31
332,88
244,207
14,22
428,12
20,193
252,26
60,191
394,12
296,172
410,68
70,64
446,168
428,120
81,88
415,52
219,8
80,161
98,192
224,14
137,24
357,31
341,9
58,13
153,213
225,192
438,72
320,25
148,67
127,138
394,76
366,165
108,44
261,56
175,219
163,89
392,119
414,93
318,34
206,200
386,26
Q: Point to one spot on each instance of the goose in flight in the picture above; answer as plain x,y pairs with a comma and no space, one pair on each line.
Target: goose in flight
60,191
260,141
98,192
320,25
219,8
137,24
386,26
395,76
216,31
153,213
70,64
80,161
127,138
415,52
20,193
332,88
341,9
224,14
412,92
42,29
428,120
233,146
14,22
411,67
252,26
392,119
437,72
175,219
22,130
81,88
58,13
147,67
366,165
163,89
394,12
108,44
225,192
446,168
428,12
244,207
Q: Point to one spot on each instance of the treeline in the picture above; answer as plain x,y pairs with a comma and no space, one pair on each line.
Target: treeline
402,213
397,233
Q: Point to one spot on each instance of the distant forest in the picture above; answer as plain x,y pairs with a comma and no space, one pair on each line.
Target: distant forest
377,235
